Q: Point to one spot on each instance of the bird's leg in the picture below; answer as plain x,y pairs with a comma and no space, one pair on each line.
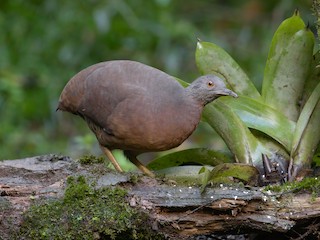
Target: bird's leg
132,157
110,156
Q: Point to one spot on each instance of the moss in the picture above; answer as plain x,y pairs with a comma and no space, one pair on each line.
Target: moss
311,185
134,178
86,213
90,159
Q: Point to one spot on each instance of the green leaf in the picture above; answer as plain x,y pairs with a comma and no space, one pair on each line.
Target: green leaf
316,159
206,175
241,142
281,38
228,172
288,66
307,134
261,117
313,78
211,59
186,175
309,109
195,156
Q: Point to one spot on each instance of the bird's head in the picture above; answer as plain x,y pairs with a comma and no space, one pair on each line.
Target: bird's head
207,88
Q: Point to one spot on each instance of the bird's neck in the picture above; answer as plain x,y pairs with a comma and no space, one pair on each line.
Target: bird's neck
191,93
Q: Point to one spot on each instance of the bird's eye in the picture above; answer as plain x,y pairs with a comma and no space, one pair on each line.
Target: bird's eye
210,84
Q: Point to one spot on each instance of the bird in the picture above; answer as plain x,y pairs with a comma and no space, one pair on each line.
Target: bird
137,108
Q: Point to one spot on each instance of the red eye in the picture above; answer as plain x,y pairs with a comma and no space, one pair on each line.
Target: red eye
210,84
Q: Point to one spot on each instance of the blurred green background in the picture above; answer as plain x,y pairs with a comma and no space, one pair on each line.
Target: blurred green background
44,43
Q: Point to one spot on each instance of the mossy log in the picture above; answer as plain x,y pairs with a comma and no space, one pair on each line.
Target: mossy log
172,211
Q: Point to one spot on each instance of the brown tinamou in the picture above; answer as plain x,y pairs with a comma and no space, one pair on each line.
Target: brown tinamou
137,108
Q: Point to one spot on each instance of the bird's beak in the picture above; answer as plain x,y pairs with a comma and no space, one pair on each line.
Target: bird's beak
227,92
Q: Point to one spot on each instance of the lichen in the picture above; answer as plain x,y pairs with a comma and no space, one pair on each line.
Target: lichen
86,213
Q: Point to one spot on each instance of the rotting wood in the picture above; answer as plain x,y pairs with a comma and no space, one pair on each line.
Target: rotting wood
177,211
225,209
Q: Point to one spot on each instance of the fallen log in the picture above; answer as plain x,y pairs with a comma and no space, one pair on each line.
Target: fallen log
174,211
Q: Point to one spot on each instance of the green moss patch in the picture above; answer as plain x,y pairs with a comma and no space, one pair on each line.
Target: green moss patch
86,213
309,184
91,159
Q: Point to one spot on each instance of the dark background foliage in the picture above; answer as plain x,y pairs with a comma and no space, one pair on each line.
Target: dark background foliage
44,43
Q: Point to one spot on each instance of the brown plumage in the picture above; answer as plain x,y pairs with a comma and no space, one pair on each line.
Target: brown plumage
137,108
